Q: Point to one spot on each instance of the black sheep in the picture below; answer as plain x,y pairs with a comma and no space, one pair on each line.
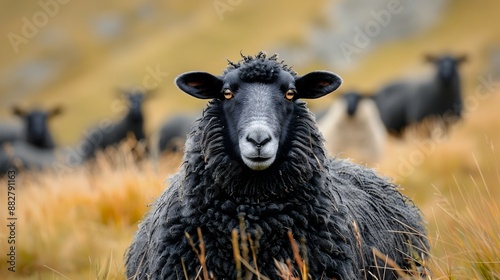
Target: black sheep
34,129
31,146
132,123
257,155
405,103
173,132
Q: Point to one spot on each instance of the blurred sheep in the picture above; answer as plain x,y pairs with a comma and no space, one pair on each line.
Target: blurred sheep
31,145
131,124
33,129
352,128
405,103
173,132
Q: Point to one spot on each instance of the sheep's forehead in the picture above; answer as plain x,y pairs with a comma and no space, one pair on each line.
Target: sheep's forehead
280,80
259,70
262,71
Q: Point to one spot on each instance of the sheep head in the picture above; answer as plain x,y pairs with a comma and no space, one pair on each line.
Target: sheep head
352,100
36,123
135,98
446,65
258,97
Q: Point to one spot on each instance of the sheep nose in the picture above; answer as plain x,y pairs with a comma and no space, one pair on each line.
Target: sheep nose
259,137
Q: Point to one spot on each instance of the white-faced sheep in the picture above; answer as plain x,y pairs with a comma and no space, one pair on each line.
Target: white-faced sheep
352,128
405,103
132,123
256,156
33,130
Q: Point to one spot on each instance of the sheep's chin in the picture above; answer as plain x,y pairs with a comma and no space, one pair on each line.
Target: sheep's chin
258,165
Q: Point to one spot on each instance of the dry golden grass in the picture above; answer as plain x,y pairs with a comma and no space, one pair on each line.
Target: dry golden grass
79,223
454,180
466,236
78,226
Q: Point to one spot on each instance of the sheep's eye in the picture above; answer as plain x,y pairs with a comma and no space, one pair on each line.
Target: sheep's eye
290,94
228,94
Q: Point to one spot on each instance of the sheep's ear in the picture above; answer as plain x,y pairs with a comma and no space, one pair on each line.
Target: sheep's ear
55,111
17,111
317,84
201,85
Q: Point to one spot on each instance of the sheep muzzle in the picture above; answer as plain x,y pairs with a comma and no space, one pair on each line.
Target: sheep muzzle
258,146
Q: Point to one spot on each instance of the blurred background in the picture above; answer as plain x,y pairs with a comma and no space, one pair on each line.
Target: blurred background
77,54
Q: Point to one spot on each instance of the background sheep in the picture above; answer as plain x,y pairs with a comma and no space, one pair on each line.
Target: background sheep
256,154
352,128
29,145
34,128
34,149
132,123
405,103
173,132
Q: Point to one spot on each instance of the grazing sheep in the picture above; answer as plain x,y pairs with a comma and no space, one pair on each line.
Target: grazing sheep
34,129
173,132
132,123
352,128
406,103
257,155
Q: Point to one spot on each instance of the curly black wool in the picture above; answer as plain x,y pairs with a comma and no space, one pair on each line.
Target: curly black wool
260,67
